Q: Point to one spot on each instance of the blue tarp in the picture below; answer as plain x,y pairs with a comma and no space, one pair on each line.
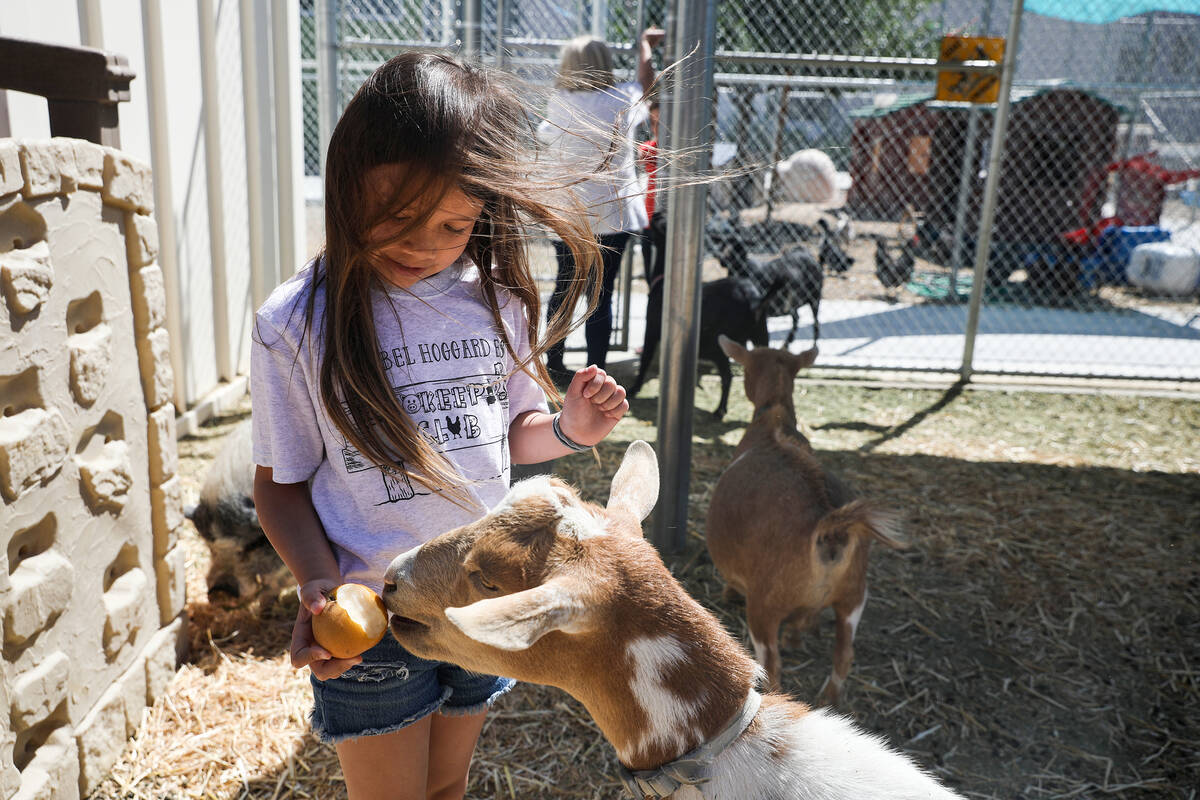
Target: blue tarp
1100,11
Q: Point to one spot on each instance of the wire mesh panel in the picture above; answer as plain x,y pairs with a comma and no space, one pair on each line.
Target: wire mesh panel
852,161
1091,181
308,88
834,164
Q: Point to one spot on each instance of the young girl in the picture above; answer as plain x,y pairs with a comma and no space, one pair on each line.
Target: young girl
395,379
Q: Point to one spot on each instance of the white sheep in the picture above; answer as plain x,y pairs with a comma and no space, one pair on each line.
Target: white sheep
806,176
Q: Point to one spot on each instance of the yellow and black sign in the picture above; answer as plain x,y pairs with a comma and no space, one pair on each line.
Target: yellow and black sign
969,87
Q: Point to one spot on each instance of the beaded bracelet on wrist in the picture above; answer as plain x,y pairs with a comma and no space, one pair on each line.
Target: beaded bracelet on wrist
565,440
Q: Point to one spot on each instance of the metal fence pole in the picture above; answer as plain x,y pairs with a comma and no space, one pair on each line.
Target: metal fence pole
328,106
600,19
260,159
472,29
501,25
449,23
690,104
991,187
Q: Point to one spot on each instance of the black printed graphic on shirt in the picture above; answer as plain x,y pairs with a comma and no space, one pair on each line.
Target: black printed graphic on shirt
451,412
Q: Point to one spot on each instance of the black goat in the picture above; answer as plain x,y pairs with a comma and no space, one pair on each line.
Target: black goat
738,306
796,273
831,255
730,307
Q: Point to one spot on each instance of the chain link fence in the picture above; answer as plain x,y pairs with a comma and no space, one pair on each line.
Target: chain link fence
855,160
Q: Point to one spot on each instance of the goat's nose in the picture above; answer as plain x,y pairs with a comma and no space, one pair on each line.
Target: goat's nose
400,570
388,588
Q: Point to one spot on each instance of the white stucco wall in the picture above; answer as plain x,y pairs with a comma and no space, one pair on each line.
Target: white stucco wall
121,25
92,583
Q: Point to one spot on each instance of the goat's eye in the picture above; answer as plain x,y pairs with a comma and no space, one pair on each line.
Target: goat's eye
483,583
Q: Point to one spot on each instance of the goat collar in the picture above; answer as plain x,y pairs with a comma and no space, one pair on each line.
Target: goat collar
691,768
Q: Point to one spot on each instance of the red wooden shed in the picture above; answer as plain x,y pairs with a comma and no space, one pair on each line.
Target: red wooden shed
891,153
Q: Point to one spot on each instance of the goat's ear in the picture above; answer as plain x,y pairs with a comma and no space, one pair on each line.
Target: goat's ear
803,360
516,621
635,486
733,349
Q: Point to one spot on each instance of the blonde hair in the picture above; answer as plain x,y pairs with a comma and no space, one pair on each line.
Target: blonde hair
586,64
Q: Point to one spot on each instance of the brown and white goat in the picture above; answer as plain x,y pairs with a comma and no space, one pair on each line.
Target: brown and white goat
784,532
549,589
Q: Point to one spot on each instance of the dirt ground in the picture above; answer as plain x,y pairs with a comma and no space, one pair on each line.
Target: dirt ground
1040,639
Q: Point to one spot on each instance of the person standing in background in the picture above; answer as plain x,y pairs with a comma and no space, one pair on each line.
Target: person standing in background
589,124
654,236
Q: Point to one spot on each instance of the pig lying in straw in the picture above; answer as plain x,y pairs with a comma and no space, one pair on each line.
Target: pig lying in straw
245,568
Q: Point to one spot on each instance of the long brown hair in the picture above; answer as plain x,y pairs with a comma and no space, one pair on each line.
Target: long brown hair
450,124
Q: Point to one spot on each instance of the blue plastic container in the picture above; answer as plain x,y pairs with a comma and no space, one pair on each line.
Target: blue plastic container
1107,265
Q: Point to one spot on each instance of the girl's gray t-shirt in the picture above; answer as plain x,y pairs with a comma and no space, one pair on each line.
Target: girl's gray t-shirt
446,362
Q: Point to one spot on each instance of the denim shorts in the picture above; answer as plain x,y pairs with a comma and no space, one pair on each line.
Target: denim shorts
391,689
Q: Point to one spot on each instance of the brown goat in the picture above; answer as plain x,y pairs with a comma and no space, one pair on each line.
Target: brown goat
549,589
784,532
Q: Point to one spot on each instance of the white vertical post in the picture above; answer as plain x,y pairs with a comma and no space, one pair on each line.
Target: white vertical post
210,93
501,28
472,36
164,196
328,96
256,100
91,27
289,135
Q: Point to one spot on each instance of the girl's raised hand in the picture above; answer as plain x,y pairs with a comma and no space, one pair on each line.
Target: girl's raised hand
593,406
304,650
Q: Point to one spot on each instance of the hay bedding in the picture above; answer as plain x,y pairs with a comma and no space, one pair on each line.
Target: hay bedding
1040,640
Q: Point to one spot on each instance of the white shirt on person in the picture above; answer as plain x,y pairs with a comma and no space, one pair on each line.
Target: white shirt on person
582,129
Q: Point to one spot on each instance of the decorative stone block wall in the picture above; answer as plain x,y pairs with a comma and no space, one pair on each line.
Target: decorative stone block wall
91,573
